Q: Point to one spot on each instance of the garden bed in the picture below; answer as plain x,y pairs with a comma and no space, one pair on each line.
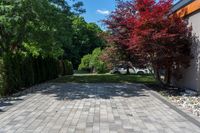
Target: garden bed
187,99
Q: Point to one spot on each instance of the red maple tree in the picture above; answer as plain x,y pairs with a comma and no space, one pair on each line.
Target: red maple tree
148,31
120,27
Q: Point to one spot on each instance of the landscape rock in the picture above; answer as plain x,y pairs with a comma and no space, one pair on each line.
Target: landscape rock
190,102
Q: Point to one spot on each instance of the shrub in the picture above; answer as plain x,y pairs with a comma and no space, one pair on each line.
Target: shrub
61,68
92,62
101,67
67,67
85,63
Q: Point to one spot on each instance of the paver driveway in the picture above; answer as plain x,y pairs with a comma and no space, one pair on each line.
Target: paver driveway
105,108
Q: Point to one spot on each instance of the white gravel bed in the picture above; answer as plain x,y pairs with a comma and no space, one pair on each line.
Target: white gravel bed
189,101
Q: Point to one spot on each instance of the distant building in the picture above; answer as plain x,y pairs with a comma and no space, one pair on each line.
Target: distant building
190,10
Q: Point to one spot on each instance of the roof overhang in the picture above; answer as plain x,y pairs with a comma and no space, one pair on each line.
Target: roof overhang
186,7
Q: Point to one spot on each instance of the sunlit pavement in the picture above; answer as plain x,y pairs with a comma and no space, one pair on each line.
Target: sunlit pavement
105,108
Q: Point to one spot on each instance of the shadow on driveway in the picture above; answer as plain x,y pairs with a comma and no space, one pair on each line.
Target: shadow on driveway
87,91
8,103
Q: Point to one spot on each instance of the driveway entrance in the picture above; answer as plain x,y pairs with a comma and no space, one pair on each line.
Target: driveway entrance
93,108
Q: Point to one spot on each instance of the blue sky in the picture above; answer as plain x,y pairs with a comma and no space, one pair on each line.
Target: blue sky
97,10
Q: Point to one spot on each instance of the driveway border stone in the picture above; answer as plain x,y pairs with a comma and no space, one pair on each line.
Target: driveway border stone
187,115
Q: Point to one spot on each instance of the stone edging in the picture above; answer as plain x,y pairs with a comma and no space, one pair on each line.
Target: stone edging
187,115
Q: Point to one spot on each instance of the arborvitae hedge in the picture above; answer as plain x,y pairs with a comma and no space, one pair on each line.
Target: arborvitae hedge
17,72
1,77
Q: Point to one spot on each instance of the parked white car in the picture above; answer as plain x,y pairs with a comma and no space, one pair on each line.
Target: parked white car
120,70
142,71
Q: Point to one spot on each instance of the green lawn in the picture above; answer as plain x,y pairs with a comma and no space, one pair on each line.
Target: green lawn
106,78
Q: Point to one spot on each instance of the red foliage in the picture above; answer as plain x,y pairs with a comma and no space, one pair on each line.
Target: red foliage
145,29
111,57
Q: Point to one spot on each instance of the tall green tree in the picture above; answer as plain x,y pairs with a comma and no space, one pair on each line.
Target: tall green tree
14,18
38,25
47,28
86,37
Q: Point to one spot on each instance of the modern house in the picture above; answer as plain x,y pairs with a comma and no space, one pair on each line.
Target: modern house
190,10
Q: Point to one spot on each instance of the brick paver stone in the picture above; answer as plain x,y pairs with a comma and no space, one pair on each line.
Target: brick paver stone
93,108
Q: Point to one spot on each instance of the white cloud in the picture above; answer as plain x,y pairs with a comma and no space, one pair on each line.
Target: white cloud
104,12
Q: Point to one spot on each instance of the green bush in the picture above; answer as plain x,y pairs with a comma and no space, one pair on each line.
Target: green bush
69,67
85,63
92,63
101,67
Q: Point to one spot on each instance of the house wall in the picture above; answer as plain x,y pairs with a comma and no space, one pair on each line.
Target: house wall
191,76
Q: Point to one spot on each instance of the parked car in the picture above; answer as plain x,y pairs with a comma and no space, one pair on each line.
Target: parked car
142,71
121,70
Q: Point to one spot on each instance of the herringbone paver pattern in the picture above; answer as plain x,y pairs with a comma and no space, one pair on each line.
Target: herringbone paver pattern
93,108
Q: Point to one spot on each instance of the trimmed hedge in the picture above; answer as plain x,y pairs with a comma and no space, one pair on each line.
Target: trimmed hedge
17,72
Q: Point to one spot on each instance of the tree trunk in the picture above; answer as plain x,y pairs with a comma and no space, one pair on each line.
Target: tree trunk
157,76
127,70
168,76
